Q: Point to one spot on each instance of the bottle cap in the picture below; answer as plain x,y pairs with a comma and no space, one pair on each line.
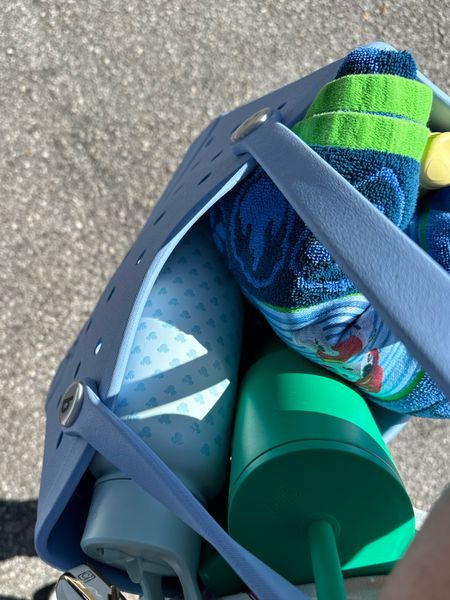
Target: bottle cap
130,530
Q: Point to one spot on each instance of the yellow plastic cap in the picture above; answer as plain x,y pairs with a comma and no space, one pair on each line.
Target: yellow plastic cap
435,166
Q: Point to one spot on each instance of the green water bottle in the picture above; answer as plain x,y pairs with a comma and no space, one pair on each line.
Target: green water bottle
314,492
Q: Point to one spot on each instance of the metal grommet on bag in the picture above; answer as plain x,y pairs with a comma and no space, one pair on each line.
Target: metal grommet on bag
71,402
250,124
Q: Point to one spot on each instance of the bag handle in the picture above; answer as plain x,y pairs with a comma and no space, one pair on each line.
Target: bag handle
112,438
407,288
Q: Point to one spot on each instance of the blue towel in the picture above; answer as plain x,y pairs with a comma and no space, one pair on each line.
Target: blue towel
292,279
430,227
372,60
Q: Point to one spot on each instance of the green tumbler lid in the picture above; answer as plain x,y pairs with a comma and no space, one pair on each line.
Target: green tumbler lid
306,449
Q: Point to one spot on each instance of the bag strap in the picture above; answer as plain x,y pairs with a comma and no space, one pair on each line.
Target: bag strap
407,288
112,438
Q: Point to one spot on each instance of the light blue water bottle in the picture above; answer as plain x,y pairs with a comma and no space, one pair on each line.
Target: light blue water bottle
177,395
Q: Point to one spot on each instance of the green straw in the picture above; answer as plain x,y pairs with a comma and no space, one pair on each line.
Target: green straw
325,560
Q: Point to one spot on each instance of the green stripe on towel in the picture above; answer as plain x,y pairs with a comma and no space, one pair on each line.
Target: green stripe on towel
362,131
387,94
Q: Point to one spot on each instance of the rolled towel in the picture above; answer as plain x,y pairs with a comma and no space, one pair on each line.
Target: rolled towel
430,227
370,125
